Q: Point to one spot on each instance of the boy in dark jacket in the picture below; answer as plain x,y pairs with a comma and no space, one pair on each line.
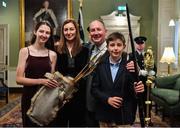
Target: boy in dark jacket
113,86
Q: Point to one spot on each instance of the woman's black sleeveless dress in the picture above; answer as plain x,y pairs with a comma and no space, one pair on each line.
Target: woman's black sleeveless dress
36,67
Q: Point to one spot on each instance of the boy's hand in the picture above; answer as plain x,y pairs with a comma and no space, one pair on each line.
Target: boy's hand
130,66
115,101
139,87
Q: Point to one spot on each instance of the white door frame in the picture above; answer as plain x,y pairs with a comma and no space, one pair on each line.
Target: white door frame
4,47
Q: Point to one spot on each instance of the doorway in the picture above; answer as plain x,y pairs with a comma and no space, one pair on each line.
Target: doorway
4,54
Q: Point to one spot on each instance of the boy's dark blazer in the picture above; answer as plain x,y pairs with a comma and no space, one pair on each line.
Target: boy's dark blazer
103,87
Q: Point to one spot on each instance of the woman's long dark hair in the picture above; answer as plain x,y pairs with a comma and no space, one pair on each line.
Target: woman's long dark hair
49,44
77,43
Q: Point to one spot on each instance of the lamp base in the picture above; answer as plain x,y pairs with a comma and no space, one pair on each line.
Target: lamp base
168,69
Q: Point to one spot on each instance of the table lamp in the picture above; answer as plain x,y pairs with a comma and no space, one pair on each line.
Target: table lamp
168,57
171,22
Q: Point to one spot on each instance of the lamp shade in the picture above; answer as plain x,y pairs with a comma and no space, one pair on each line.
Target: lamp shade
168,56
171,22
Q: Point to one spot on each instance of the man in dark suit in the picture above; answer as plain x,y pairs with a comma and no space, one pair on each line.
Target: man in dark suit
97,44
140,47
140,44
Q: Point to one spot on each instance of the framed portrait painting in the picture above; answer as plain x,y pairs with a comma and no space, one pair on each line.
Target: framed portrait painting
33,11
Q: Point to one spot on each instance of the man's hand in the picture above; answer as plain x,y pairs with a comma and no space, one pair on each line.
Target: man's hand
152,73
143,73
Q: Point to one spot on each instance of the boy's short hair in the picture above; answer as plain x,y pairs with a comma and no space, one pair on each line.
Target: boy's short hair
114,36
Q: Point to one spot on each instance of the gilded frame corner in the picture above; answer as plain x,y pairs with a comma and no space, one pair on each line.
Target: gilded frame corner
22,19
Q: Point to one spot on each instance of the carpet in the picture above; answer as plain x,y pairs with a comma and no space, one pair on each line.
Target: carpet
10,114
156,120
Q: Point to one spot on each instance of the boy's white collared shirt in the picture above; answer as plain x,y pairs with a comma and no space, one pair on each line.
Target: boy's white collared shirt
114,68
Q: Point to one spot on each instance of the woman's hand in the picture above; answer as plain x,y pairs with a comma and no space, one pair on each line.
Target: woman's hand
49,83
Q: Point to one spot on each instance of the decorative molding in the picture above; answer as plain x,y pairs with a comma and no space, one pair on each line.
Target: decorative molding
115,19
116,22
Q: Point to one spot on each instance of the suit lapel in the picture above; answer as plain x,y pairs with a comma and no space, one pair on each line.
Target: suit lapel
121,68
108,70
118,73
91,47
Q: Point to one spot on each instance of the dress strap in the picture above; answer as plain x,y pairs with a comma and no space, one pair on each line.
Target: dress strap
28,51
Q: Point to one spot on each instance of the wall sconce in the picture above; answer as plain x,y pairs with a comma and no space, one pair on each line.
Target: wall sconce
168,57
171,22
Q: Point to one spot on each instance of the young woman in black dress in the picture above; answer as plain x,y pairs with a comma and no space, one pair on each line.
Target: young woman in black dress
34,61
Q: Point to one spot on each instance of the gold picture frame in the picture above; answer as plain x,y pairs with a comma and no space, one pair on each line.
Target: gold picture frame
29,7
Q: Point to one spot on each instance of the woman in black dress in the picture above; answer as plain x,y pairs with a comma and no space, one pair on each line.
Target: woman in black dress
72,57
